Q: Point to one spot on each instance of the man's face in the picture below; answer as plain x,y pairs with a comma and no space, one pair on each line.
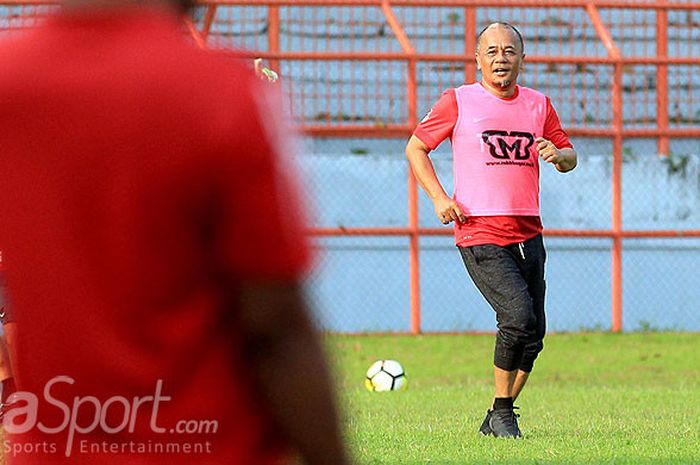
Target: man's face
499,57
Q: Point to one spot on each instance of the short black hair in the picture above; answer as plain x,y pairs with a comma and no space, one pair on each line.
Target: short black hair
504,24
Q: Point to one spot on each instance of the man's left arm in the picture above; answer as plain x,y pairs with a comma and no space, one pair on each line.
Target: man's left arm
563,159
554,146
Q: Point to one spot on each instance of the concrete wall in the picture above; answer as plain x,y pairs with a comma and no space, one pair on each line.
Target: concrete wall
361,284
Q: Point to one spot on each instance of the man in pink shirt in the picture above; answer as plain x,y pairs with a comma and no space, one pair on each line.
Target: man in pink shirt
498,130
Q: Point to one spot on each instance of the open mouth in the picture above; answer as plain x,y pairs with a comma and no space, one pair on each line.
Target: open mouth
501,72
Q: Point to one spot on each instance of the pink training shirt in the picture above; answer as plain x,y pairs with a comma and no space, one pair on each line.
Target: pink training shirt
502,230
496,165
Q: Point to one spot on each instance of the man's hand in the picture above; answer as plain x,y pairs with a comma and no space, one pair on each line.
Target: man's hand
548,151
564,160
448,211
263,72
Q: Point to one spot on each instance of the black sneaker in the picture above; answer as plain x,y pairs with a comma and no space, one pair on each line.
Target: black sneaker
504,423
485,429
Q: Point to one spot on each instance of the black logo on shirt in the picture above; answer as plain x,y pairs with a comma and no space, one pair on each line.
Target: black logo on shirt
501,149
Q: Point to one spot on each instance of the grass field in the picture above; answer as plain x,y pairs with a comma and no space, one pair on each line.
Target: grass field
593,399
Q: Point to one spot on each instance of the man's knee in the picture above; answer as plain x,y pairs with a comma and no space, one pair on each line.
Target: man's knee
518,326
530,354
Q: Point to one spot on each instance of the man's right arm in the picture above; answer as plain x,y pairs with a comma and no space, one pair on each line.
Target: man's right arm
437,126
418,156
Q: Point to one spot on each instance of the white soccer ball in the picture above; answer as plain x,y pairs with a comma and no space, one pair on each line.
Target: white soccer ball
385,375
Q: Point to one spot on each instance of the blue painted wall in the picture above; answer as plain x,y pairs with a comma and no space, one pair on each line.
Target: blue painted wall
361,283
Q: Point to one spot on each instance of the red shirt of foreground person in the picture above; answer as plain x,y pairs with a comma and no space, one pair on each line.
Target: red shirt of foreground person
137,175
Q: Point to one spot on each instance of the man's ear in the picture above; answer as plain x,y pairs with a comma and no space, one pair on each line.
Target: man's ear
478,62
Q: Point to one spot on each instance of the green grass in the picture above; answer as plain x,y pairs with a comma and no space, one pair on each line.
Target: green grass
592,399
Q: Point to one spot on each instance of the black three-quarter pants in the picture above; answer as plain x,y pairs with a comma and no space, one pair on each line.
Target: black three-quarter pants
511,279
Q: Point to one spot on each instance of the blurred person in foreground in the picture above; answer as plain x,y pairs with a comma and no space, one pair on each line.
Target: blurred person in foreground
154,248
7,379
498,131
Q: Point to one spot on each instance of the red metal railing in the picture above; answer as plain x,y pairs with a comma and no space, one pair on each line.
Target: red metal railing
617,131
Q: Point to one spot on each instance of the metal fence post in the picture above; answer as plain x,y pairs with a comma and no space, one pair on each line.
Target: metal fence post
411,118
470,26
617,126
616,265
662,79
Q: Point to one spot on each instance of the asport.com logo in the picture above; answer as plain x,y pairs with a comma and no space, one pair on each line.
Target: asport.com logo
85,415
